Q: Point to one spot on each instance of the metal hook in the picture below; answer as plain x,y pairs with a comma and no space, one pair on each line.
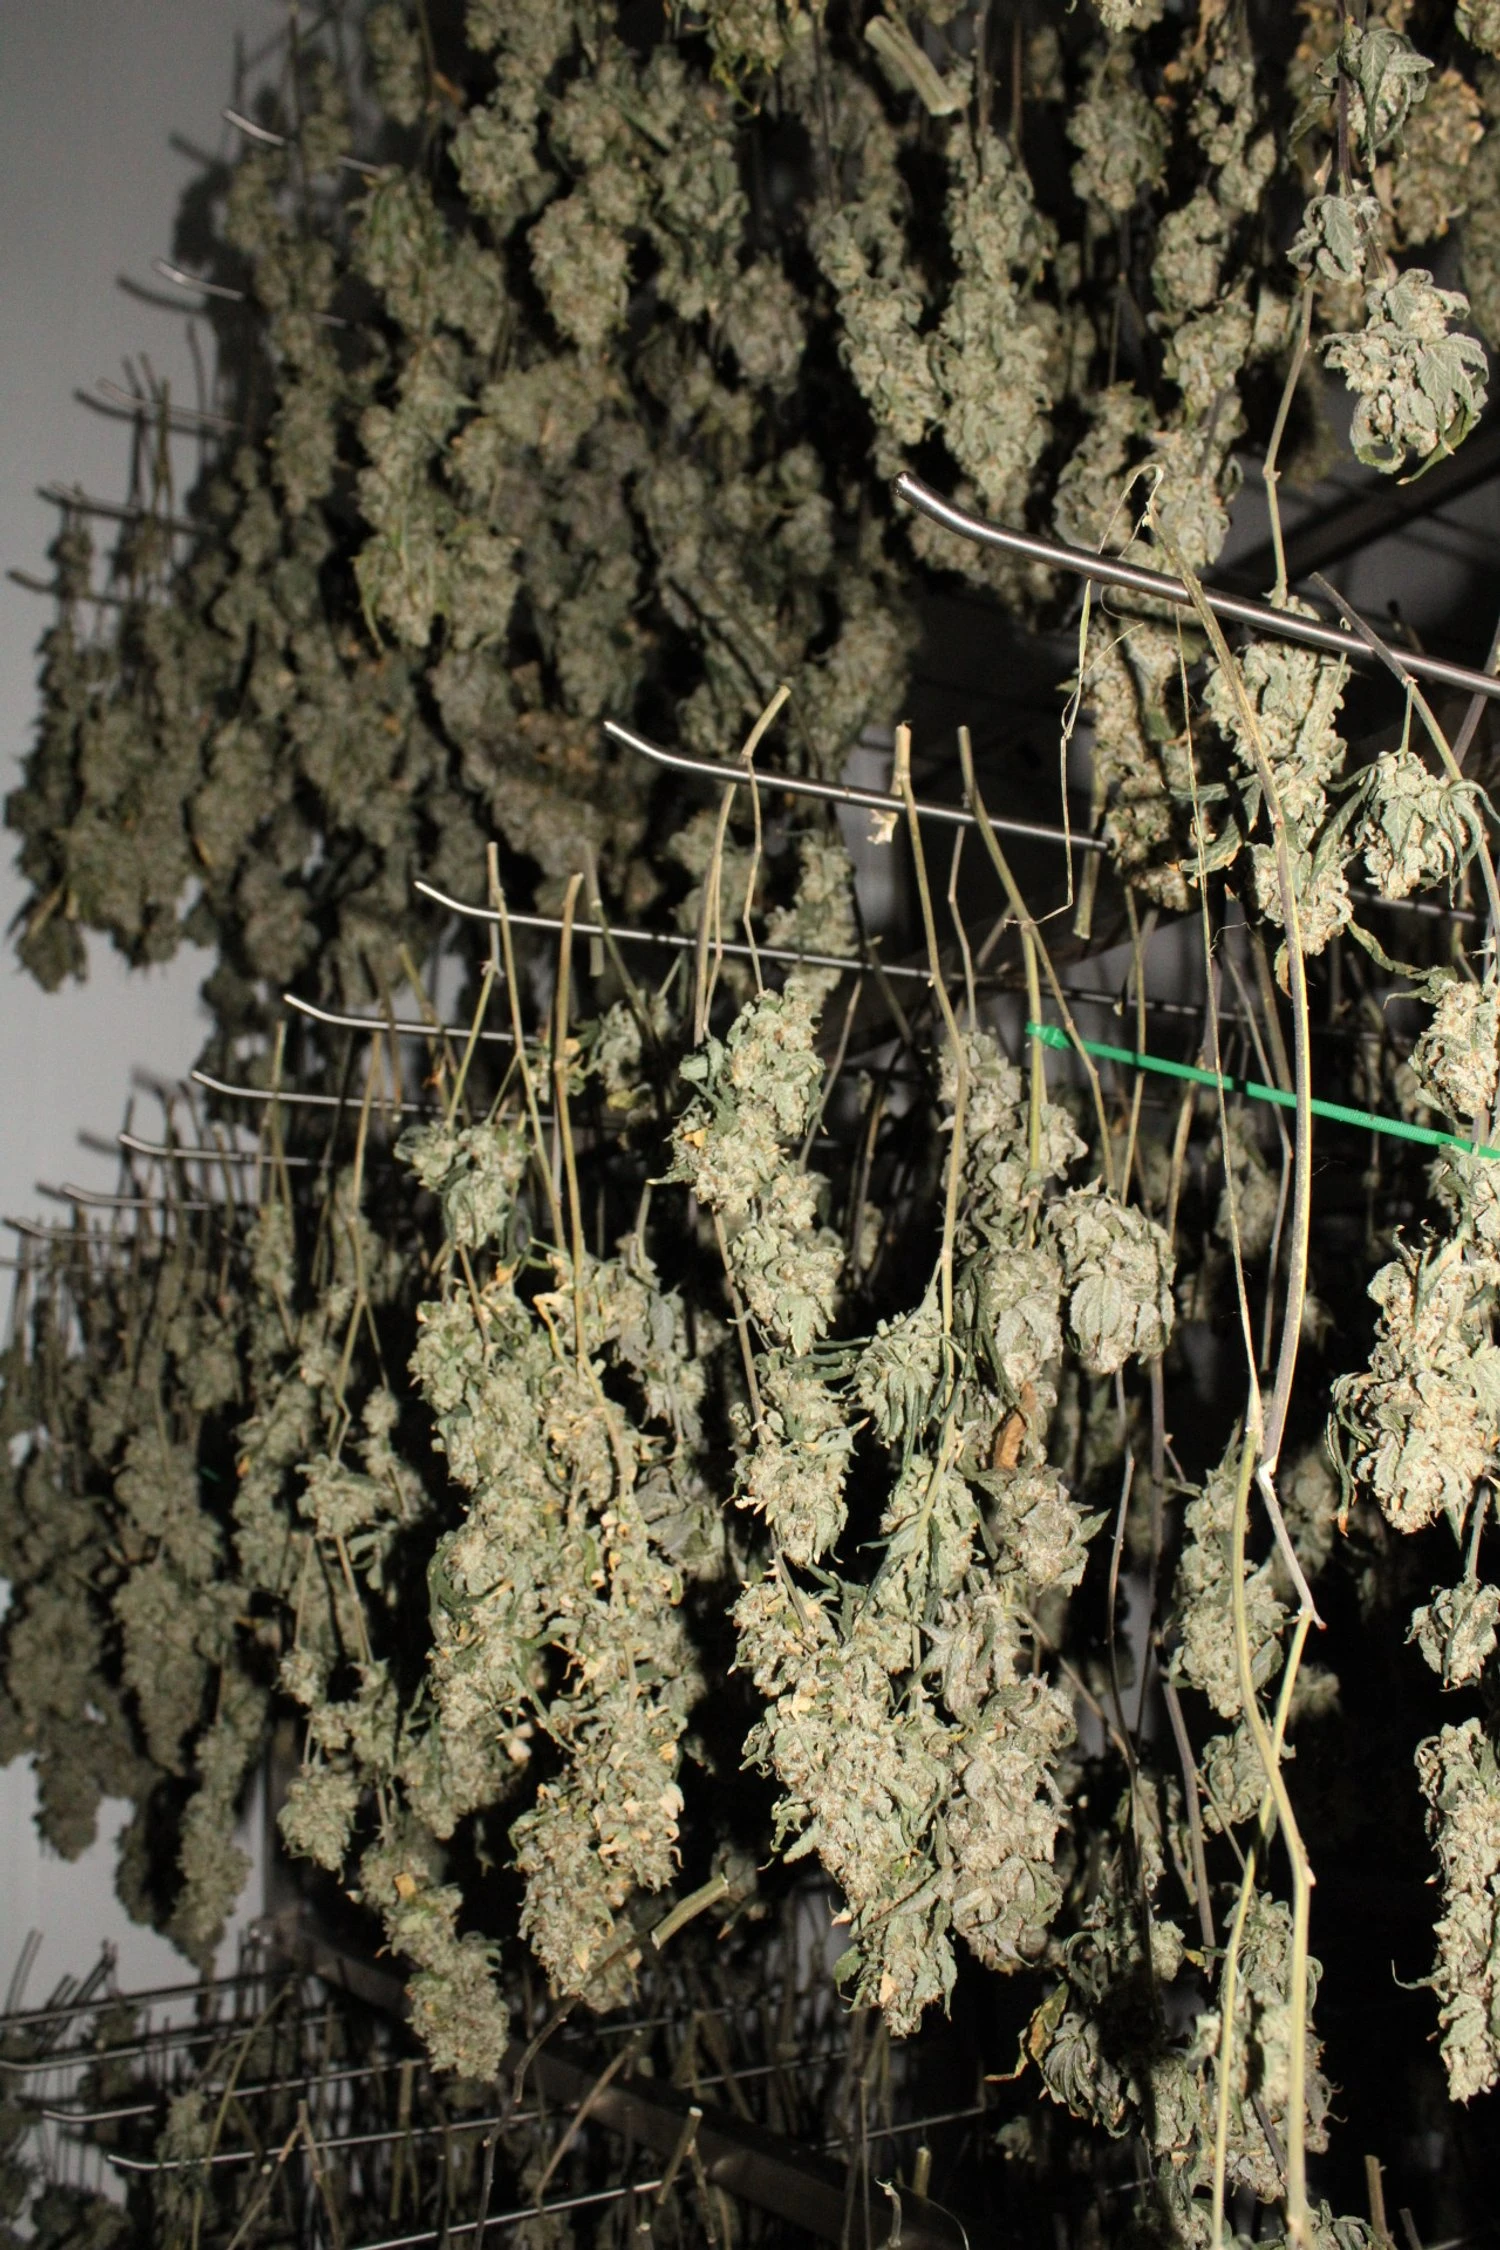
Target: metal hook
182,279
113,398
306,1101
1110,570
268,139
95,1199
672,938
61,497
838,793
373,1024
166,1151
251,130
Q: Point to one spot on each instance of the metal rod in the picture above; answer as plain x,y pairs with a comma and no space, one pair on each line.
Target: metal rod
172,1154
113,398
123,2112
252,2155
916,2124
401,1024
251,130
1109,570
334,2145
268,139
95,1199
152,2046
1432,907
454,2229
673,938
61,497
305,1101
196,1991
839,793
182,279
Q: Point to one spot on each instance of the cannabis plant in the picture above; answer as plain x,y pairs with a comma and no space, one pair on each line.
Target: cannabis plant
732,1401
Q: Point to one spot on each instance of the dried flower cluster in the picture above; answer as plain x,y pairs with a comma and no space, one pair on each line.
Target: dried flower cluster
750,1417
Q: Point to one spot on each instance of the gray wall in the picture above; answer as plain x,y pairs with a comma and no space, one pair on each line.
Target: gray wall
91,92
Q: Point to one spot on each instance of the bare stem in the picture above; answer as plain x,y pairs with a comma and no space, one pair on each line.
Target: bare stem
1139,940
1033,950
901,786
1296,1293
528,1084
1269,1753
1270,474
1189,1765
561,1105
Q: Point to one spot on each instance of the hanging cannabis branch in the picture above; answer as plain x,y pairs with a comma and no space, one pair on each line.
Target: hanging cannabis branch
694,1429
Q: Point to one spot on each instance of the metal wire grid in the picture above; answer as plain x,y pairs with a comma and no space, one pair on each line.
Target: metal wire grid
764,2105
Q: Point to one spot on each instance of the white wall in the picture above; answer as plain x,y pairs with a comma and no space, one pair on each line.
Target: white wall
90,93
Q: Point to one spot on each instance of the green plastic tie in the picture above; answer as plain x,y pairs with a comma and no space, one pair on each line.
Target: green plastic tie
1429,1137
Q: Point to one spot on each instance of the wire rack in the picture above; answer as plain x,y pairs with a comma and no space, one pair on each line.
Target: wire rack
285,2102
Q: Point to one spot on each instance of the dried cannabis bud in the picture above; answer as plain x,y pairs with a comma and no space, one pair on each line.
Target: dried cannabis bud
1456,1631
1461,1783
1431,183
1422,1425
559,1552
1117,1269
1419,828
948,1727
1457,1057
1120,136
1203,1594
1420,388
1295,697
456,2010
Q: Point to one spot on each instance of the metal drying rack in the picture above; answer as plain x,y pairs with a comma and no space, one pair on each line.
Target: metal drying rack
305,2032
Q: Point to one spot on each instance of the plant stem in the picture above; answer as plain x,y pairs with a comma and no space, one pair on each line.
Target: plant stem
1270,473
560,1104
1296,1293
901,786
528,1085
1269,1752
1033,950
1139,940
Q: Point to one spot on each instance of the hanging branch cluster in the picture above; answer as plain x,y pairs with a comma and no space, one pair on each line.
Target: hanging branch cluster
749,1422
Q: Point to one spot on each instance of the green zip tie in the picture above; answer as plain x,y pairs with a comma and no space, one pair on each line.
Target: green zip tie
1051,1036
